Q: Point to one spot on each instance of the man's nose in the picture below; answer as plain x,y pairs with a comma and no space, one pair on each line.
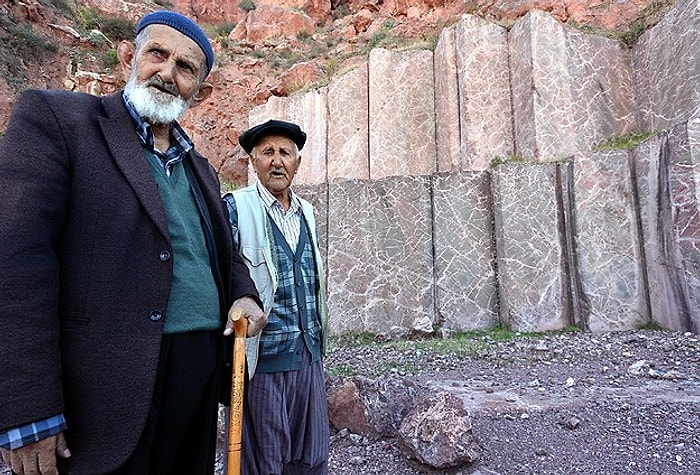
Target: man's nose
167,70
277,159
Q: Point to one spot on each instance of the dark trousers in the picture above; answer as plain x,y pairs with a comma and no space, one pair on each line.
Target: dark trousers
180,433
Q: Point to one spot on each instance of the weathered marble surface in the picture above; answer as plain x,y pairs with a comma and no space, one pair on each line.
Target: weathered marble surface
348,126
666,62
317,195
380,258
608,263
570,89
308,111
472,96
401,113
465,278
667,170
447,133
533,289
484,93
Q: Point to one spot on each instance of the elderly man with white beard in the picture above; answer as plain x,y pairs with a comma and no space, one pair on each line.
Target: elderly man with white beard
117,272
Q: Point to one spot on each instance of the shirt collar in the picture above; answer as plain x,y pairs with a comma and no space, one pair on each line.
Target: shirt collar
270,201
181,143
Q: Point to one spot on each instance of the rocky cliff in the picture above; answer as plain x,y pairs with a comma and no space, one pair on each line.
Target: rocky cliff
265,48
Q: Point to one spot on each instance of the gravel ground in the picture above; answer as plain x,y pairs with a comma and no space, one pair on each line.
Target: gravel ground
561,403
564,403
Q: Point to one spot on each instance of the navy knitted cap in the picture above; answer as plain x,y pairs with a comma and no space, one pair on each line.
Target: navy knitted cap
185,26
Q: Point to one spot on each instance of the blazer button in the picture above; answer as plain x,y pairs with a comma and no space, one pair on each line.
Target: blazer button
155,315
165,256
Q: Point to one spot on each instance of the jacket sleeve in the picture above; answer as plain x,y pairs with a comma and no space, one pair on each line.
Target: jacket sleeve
34,190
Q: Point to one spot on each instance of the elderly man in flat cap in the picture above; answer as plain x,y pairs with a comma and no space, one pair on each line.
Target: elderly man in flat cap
285,425
118,271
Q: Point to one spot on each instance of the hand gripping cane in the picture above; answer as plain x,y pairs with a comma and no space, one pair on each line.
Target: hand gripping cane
235,426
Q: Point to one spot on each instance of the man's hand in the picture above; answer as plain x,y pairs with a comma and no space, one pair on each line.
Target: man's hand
38,458
246,307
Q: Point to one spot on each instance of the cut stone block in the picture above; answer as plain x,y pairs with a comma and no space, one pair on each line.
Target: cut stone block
667,170
531,254
570,90
380,276
401,113
608,262
666,62
465,278
447,133
484,93
348,126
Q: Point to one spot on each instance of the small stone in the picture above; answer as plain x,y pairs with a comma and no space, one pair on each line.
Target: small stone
571,423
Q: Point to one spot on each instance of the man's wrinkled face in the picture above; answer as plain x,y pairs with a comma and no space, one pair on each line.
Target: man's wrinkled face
275,159
165,75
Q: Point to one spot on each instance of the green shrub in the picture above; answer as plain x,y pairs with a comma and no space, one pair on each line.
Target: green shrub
623,141
23,43
247,5
227,186
86,18
650,326
222,30
60,5
498,160
116,28
110,59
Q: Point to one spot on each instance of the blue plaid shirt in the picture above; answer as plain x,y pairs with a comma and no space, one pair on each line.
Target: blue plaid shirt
23,435
181,143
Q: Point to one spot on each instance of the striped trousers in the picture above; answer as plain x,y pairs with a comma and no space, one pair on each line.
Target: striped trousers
285,426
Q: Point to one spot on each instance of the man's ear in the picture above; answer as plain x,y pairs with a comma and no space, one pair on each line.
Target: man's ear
125,53
205,90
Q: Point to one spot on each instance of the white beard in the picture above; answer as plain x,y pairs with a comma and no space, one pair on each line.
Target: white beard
156,107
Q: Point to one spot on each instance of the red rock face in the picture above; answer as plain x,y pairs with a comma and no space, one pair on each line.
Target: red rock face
271,21
214,12
211,12
297,77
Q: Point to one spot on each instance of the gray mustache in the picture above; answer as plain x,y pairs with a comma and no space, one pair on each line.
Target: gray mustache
160,84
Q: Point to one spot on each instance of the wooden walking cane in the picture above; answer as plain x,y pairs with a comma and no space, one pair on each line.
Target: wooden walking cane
235,425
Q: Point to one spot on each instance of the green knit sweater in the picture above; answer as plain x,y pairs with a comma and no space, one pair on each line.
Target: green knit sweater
194,299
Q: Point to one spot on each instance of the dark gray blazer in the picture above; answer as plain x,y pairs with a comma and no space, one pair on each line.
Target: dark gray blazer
85,271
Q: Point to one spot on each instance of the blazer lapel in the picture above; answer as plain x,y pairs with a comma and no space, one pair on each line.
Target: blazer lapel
127,151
